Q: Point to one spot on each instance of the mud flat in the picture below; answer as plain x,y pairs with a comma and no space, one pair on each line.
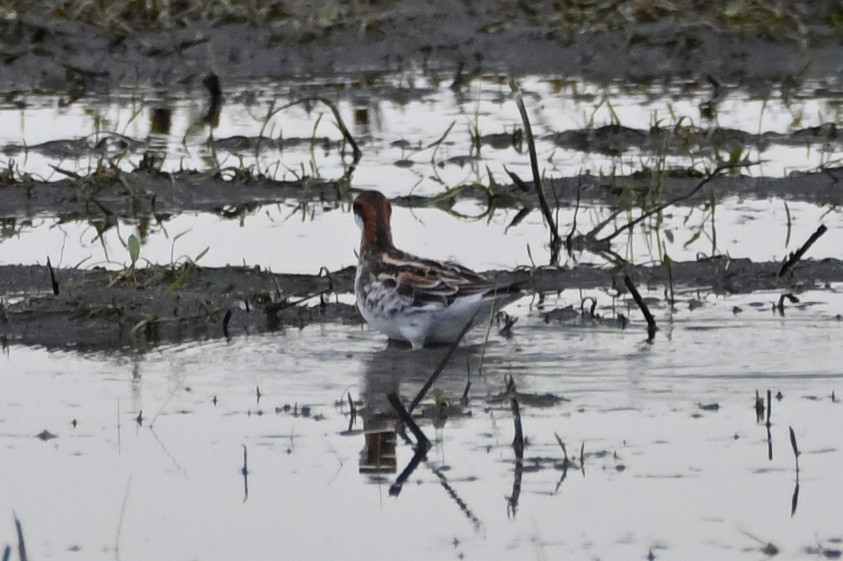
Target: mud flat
112,310
128,46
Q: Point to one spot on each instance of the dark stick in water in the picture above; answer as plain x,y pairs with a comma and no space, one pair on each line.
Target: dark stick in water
651,322
795,257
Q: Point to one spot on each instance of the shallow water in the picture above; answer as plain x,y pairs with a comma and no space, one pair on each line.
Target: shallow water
396,118
664,470
395,125
761,230
148,451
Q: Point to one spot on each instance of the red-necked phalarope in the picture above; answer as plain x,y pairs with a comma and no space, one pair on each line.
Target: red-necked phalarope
420,301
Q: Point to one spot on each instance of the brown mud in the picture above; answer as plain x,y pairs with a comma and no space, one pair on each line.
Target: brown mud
47,54
153,195
136,309
89,49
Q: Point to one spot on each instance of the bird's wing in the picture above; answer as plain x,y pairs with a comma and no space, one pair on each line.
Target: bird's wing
432,284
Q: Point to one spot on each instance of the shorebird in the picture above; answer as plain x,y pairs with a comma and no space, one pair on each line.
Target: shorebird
407,298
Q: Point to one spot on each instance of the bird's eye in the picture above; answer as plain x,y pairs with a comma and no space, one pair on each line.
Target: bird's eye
358,208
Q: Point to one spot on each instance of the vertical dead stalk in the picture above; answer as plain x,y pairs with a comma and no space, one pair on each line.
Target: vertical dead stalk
517,446
794,501
53,282
796,452
21,542
343,129
651,322
768,424
555,240
245,472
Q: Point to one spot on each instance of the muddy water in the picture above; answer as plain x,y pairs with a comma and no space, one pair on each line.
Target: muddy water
675,462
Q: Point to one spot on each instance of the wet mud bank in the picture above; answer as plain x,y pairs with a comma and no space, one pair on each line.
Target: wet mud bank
96,309
138,309
113,193
99,51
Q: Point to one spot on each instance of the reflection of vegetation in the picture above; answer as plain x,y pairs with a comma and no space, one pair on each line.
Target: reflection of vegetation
12,174
12,227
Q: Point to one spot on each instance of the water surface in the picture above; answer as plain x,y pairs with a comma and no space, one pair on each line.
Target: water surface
675,461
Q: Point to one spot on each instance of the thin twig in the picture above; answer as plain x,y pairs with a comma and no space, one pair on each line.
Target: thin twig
518,447
565,460
582,458
272,309
423,391
565,464
651,322
245,471
436,143
518,439
395,488
769,405
340,123
464,398
789,297
423,443
70,174
555,241
53,282
122,515
166,401
569,241
796,452
768,425
679,198
352,417
795,257
794,501
21,542
516,179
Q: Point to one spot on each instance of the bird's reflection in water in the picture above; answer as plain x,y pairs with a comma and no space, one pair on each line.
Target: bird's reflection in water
404,372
